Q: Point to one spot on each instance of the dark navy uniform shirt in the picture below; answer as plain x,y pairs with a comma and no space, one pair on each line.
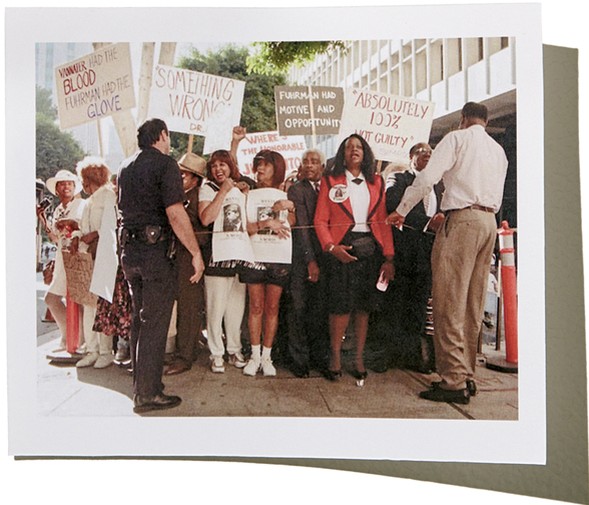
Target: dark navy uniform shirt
148,183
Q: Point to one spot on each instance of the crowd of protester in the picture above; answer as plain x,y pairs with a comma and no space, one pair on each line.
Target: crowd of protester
352,276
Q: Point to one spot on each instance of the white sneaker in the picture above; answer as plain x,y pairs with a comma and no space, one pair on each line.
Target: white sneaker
268,368
217,364
104,360
251,368
237,360
87,360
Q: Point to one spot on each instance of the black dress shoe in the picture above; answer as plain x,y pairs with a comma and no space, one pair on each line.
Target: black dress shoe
470,385
300,371
437,394
156,402
176,368
359,375
332,375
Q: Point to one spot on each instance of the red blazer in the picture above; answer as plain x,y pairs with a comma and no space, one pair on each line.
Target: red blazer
333,220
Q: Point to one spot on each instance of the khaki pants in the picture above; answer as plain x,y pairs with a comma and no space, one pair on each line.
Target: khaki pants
461,258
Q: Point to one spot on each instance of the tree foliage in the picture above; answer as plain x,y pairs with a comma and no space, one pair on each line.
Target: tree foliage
55,150
258,111
273,58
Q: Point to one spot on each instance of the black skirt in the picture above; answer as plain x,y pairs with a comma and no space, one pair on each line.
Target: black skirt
352,286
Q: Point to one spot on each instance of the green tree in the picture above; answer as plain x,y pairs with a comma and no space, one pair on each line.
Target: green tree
272,58
258,111
55,150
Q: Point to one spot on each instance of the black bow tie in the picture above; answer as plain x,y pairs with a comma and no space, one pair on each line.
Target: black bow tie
357,180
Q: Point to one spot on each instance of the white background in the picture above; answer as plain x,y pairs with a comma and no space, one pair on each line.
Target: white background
192,482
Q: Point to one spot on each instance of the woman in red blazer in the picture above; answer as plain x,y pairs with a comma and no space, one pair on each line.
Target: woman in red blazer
350,224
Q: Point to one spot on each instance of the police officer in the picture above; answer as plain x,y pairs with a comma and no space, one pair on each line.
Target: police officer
151,199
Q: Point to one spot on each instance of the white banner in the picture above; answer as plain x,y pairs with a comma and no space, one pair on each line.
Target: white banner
390,124
189,102
291,148
268,247
230,238
94,86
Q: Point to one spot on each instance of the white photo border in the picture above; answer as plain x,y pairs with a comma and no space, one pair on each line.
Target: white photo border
522,441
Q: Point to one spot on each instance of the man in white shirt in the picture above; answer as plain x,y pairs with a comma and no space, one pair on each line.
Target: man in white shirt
473,168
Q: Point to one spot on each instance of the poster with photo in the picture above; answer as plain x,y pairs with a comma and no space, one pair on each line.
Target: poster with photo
268,247
230,238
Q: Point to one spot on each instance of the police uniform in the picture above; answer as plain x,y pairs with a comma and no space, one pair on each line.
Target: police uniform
148,183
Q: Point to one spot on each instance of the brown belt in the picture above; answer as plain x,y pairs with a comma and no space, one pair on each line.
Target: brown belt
474,207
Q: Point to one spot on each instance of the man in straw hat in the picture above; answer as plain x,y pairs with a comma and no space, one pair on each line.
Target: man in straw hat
66,218
151,202
190,295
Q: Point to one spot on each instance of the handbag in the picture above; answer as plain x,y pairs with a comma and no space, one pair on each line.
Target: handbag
48,272
78,271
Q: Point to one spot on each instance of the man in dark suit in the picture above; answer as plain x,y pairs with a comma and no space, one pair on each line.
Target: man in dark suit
308,336
411,288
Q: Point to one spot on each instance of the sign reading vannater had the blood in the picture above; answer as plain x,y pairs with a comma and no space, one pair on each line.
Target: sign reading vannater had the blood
94,86
390,124
189,102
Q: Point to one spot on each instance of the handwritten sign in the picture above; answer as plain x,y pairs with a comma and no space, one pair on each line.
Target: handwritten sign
94,86
308,110
189,101
291,148
390,124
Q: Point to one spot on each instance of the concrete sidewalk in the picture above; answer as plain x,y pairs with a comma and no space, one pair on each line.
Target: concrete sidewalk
70,391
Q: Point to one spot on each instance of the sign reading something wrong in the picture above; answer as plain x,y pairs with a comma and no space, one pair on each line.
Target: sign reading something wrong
189,101
94,86
390,124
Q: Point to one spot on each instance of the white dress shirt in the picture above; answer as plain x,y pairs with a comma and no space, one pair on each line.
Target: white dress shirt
473,167
360,201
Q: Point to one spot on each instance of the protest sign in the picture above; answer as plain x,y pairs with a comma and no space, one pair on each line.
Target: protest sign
291,148
188,101
267,246
390,124
308,110
230,238
94,86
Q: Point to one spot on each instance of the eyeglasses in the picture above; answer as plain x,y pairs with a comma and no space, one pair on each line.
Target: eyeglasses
422,150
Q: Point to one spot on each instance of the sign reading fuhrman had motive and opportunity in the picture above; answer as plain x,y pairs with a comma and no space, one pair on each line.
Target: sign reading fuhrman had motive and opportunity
97,85
308,110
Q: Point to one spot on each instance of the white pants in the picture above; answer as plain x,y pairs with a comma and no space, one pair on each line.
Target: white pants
96,342
225,303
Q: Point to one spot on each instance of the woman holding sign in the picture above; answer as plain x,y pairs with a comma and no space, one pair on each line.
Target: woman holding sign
269,218
350,224
222,205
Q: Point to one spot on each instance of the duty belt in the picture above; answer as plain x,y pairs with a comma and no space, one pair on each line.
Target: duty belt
149,234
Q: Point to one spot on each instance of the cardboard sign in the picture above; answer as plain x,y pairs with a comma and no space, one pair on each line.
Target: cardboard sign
291,148
190,101
390,124
94,86
308,110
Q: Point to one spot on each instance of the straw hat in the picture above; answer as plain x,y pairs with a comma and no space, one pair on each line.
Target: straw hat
193,163
62,176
